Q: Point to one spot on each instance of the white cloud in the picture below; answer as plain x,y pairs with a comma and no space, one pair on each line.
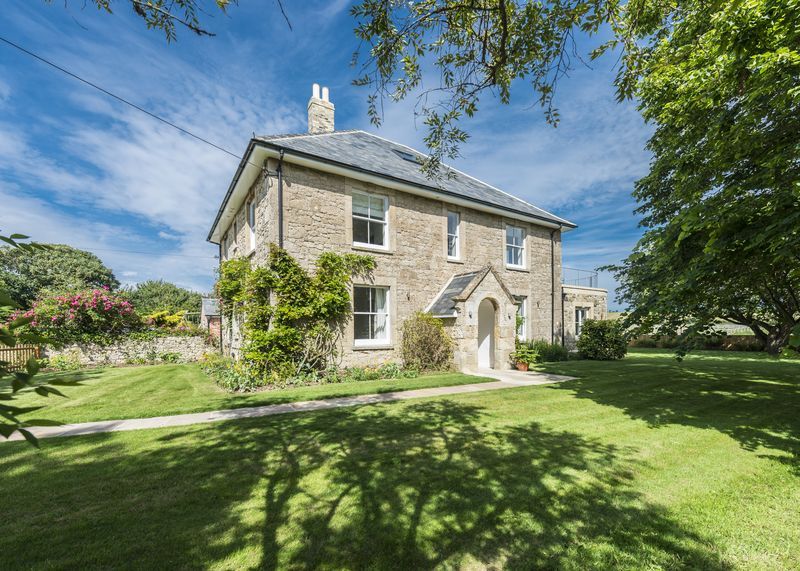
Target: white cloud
104,160
127,254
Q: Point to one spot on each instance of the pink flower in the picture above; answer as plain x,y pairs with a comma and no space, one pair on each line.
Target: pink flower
54,318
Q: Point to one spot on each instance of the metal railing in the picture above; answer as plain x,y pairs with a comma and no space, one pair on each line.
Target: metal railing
578,277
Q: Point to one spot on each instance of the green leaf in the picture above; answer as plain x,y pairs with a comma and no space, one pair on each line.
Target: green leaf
6,301
20,321
32,366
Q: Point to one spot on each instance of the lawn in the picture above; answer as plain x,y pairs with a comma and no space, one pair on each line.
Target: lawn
639,464
136,392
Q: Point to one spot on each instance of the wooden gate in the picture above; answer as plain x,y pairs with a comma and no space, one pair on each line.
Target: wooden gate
16,357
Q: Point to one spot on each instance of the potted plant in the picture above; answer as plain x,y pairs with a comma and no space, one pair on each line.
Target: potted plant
523,357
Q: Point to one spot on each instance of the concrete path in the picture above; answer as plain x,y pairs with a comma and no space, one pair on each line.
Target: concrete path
506,380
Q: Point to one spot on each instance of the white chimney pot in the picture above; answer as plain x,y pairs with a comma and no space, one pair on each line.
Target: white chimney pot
320,111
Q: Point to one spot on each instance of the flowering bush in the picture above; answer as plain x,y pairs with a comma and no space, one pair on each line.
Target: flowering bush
95,315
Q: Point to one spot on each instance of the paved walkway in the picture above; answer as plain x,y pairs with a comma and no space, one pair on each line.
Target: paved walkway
505,380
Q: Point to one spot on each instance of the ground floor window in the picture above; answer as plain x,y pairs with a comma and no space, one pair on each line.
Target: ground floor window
581,315
370,315
522,317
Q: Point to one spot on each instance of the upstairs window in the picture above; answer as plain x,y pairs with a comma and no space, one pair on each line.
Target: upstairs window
370,220
515,246
581,315
370,315
453,223
251,224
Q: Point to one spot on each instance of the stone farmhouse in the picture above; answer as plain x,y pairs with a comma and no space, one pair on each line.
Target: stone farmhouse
456,247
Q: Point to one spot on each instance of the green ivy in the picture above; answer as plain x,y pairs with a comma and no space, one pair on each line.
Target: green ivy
292,321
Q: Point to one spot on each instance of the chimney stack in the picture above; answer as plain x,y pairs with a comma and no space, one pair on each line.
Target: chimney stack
320,111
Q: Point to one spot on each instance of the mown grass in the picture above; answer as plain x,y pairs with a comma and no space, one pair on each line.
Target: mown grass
639,464
158,390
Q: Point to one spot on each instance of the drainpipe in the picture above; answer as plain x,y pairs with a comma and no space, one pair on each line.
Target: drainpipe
280,200
553,284
563,329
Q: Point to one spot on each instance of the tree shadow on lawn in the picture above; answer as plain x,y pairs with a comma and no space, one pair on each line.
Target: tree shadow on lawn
414,487
756,402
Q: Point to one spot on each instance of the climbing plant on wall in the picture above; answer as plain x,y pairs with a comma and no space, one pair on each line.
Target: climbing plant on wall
292,320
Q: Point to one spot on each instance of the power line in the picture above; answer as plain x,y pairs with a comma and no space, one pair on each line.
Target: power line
120,99
159,254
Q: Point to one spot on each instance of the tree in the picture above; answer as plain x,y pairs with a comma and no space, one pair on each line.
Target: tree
721,203
26,274
721,83
167,16
475,48
158,295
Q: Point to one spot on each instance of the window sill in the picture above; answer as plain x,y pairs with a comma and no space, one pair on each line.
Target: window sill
250,253
376,347
455,260
517,269
368,248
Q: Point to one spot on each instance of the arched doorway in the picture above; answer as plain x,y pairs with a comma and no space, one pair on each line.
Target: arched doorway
486,334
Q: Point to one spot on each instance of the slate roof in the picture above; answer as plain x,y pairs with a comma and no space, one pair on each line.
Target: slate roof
369,153
445,305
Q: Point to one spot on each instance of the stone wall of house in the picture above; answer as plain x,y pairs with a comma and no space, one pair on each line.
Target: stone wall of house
131,351
595,300
317,218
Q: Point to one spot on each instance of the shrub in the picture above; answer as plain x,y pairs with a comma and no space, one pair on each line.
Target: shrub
602,340
426,345
548,352
645,342
96,315
292,321
233,376
164,319
524,353
228,374
169,357
69,361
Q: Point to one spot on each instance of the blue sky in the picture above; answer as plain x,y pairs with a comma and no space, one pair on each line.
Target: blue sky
79,168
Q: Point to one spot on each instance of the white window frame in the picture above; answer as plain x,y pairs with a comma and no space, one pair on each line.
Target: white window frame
385,221
581,315
509,246
456,235
374,342
523,328
251,224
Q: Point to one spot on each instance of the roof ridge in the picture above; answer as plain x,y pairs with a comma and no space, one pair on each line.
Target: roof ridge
454,169
297,135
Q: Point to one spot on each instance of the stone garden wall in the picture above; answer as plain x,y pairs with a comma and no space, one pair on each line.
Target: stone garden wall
178,349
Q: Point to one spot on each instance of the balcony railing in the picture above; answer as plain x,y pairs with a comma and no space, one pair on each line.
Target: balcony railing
578,277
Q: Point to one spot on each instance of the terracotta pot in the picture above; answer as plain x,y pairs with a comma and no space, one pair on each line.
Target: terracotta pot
522,366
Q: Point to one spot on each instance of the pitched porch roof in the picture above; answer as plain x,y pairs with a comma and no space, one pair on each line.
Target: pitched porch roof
458,288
